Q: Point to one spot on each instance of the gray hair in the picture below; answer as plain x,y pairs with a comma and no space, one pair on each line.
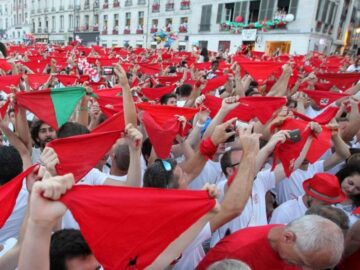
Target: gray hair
314,233
229,264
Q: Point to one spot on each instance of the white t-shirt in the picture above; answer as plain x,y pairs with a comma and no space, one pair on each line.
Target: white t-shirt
35,155
291,188
194,253
12,226
309,111
93,178
352,68
289,211
348,209
211,173
254,213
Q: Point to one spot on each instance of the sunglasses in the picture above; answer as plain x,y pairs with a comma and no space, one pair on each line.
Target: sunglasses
165,164
233,165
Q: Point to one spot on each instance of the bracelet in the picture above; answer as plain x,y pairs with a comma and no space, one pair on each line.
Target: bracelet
207,148
200,125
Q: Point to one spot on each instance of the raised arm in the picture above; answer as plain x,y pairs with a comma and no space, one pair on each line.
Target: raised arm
280,87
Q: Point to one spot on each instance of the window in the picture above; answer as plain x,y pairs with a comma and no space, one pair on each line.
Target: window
229,12
141,18
53,23
205,18
71,22
62,22
203,44
116,20
254,11
266,10
224,45
96,20
128,19
77,21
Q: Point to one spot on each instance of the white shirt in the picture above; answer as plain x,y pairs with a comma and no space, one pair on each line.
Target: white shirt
211,173
93,178
254,213
289,211
348,209
194,253
352,68
292,187
12,226
309,111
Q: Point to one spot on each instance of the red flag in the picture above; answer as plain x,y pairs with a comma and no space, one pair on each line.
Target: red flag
108,92
215,83
4,108
79,154
37,80
140,222
260,71
324,118
7,81
168,79
9,193
341,80
323,99
67,80
156,93
114,123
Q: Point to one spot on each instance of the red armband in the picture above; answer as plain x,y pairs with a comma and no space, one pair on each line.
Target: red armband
208,148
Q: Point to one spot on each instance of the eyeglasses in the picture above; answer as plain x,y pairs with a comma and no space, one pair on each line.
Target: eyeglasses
233,165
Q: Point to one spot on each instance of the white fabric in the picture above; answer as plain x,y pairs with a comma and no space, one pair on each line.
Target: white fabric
254,213
7,245
194,253
12,226
211,173
309,111
348,209
289,211
93,178
122,178
291,188
352,68
35,155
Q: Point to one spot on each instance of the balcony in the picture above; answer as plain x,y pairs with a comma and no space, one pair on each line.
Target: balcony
87,5
61,30
61,8
45,30
169,7
77,7
184,5
116,4
104,32
204,28
39,10
128,3
52,30
95,28
182,29
153,30
53,9
96,5
139,31
168,28
115,32
141,2
46,10
39,30
85,28
155,8
224,27
105,5
126,31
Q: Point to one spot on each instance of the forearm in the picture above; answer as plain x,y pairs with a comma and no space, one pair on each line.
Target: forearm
353,90
83,116
218,119
193,166
34,252
194,137
300,108
303,153
22,127
134,172
280,87
341,148
190,102
9,261
129,106
262,156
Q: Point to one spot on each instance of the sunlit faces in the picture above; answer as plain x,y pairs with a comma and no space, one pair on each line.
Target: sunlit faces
171,101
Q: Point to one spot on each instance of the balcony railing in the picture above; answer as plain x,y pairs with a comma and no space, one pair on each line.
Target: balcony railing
53,9
128,3
104,32
153,30
116,4
87,5
105,5
141,2
169,6
39,10
96,5
139,31
52,30
39,30
31,12
61,30
155,8
95,28
77,7
224,27
115,32
204,27
61,8
46,10
185,5
45,30
126,31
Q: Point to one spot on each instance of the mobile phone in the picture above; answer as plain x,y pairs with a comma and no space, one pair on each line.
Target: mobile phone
108,71
231,138
295,135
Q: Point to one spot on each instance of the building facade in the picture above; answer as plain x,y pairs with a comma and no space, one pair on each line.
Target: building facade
321,25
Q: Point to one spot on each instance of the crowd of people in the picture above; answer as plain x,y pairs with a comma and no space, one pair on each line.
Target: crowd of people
134,158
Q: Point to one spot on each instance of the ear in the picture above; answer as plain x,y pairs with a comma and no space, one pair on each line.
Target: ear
288,237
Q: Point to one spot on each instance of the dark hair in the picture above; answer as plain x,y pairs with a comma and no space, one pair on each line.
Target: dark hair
146,149
254,83
346,171
251,91
64,245
225,161
34,130
3,49
205,53
165,98
71,129
336,215
156,175
11,163
122,155
184,90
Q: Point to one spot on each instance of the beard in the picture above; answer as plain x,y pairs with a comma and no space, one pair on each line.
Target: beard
44,142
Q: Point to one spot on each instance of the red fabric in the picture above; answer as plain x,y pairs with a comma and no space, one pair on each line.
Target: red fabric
4,108
162,113
323,118
150,69
4,65
37,80
157,93
114,123
323,99
36,66
356,211
108,92
250,107
161,135
208,148
257,54
79,154
67,80
341,80
169,79
247,245
202,66
215,83
323,86
260,71
8,194
140,222
7,81
109,100
109,112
